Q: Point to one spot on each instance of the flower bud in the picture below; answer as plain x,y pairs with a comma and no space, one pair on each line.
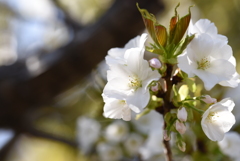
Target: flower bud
154,88
155,63
166,136
209,100
182,146
180,127
182,114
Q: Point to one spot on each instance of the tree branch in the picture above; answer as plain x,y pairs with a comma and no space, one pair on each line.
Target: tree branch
68,65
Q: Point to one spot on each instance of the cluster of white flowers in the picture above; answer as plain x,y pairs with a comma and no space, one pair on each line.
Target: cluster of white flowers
88,131
218,119
203,53
209,57
230,145
128,79
120,134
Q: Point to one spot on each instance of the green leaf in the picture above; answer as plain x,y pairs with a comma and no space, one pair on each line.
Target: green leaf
170,120
181,28
191,84
167,117
176,97
190,114
175,90
172,61
155,50
187,40
183,92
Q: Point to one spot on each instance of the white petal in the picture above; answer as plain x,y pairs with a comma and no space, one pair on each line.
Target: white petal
112,92
233,82
120,83
205,26
209,79
118,71
228,102
213,132
216,68
116,109
185,64
200,47
116,52
221,50
232,60
137,42
140,99
227,120
135,60
151,76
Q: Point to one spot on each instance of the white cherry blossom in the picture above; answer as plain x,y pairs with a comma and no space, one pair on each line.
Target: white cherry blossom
218,119
153,145
116,131
209,59
88,132
130,82
230,144
207,27
149,122
204,26
116,109
119,56
132,144
109,152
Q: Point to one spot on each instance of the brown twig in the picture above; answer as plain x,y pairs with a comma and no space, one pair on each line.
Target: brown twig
169,151
168,105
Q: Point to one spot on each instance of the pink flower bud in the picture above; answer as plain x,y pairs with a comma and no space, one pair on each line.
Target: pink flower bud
155,63
180,127
155,88
182,114
166,136
182,146
209,100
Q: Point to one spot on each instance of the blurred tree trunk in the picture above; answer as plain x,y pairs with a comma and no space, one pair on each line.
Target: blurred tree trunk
68,65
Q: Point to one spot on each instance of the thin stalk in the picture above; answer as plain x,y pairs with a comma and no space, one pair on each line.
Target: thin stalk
196,109
168,106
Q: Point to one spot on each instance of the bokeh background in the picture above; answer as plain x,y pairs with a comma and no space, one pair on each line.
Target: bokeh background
52,76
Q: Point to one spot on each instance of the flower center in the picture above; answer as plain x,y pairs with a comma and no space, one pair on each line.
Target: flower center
134,82
204,63
212,117
122,102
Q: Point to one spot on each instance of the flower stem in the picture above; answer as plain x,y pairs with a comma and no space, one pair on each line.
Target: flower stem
169,151
196,109
168,105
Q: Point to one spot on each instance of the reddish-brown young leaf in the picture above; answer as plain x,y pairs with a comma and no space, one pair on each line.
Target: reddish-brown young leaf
172,25
181,28
161,34
149,22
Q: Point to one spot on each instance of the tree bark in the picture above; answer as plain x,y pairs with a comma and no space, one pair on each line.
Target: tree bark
68,65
